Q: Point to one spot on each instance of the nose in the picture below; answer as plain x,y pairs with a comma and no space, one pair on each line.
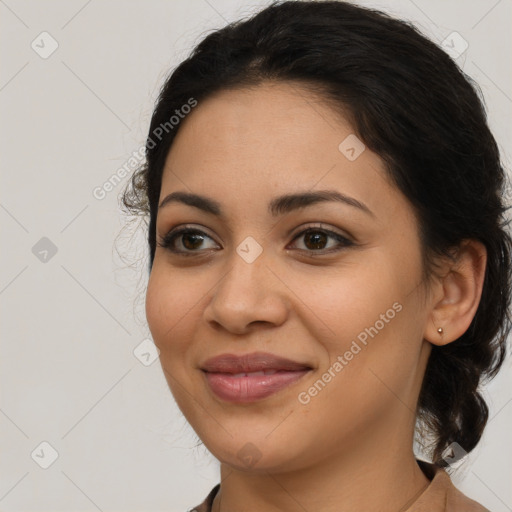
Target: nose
249,294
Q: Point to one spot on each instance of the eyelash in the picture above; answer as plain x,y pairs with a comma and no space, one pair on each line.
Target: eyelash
167,242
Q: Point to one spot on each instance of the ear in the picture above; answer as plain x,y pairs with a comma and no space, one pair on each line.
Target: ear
457,293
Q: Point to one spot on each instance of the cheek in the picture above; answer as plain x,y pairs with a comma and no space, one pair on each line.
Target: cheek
373,330
172,312
343,302
157,304
172,302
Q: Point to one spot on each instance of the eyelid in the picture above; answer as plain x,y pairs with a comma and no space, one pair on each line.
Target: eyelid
321,226
178,230
343,240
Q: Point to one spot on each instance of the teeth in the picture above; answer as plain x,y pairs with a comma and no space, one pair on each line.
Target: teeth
247,374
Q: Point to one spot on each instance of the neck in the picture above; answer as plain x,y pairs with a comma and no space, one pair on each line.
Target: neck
375,476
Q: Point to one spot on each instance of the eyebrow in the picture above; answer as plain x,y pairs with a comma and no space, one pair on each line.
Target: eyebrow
277,206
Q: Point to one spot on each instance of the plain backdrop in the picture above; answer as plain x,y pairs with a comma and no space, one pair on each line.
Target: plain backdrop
78,80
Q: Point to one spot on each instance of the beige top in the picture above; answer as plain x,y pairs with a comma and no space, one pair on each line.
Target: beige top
439,496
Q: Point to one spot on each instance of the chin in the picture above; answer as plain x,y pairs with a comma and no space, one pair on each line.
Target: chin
254,455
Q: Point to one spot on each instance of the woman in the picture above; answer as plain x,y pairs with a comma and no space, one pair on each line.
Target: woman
329,266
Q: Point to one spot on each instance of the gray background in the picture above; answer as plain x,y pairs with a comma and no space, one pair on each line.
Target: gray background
70,321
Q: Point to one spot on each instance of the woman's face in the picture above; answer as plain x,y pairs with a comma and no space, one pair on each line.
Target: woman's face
343,301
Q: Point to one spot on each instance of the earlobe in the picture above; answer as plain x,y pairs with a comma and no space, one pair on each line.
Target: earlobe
460,291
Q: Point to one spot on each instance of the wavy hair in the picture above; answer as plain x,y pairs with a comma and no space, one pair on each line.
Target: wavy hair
411,104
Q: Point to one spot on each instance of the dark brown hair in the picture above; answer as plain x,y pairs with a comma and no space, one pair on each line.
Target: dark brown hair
408,102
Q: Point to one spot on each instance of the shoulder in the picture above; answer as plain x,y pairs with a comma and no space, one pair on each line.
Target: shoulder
442,495
456,500
206,505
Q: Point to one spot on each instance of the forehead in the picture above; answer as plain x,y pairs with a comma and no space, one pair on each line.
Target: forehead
245,145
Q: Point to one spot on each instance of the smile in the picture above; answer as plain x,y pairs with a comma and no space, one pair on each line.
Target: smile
251,377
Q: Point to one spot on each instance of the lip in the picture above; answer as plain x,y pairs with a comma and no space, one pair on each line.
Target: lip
254,362
251,377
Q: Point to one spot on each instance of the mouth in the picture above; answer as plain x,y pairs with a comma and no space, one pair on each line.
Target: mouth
251,377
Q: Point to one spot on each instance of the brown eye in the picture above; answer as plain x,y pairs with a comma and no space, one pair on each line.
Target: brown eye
186,241
315,240
318,240
192,241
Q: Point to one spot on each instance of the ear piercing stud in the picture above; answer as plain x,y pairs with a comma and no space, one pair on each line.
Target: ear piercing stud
440,330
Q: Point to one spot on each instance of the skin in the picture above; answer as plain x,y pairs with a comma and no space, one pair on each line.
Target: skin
350,447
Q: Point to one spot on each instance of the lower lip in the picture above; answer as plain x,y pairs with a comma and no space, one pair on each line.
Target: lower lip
250,388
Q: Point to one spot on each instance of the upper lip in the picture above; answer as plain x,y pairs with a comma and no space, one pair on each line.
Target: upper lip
257,361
